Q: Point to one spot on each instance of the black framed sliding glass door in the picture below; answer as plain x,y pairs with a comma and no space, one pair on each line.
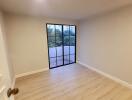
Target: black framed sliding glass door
61,44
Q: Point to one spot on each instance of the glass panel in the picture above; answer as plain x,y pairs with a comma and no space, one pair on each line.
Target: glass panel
66,59
65,30
51,30
72,49
58,30
59,61
59,51
57,44
66,41
72,58
52,52
66,45
72,40
58,41
51,42
66,50
72,30
52,62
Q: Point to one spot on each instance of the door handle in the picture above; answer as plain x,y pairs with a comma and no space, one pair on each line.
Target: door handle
12,91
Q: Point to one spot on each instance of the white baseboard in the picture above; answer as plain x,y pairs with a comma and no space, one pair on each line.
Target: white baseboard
124,83
32,72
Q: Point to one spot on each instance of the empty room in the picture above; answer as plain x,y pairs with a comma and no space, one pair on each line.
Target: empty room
65,49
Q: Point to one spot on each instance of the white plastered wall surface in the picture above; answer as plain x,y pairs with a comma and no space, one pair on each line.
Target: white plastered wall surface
105,43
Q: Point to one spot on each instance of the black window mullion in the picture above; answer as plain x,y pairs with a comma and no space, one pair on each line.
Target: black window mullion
48,43
68,35
69,43
63,43
55,44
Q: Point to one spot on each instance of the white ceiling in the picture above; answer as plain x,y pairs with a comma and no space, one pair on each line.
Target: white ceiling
69,9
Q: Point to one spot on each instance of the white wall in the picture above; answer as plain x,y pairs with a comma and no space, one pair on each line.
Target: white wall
27,39
6,69
105,42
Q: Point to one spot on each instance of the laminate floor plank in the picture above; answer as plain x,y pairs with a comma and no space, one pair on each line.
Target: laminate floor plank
71,82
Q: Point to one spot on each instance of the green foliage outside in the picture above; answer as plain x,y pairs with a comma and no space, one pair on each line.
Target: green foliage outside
69,39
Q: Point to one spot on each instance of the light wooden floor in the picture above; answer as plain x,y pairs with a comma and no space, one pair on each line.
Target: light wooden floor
72,82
